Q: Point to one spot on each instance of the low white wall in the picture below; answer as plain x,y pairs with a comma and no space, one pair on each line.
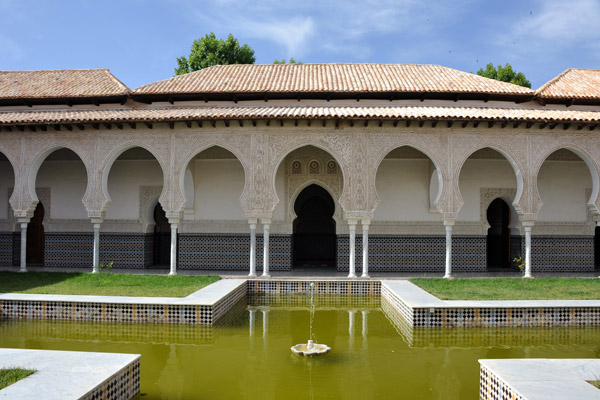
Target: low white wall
124,181
67,181
403,187
218,187
562,186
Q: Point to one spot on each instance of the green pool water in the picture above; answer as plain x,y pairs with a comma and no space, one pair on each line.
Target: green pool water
248,356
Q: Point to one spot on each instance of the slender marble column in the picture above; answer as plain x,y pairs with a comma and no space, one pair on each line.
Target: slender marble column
96,261
252,223
352,264
266,225
448,224
173,270
527,225
23,267
365,249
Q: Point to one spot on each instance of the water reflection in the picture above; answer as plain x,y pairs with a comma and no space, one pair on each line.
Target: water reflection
247,356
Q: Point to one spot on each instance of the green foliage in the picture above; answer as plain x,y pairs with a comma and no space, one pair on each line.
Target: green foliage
504,74
519,263
108,265
209,50
9,376
292,61
113,284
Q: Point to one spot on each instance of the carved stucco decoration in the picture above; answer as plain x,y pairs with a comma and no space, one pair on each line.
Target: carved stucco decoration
582,146
339,146
486,196
148,195
43,194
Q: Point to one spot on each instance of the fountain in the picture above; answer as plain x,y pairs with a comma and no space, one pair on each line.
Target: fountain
311,348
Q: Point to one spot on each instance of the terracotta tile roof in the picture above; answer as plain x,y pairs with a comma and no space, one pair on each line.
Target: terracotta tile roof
63,83
582,84
330,78
300,112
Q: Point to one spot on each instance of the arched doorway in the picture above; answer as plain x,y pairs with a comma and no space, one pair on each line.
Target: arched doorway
162,237
35,236
314,240
498,235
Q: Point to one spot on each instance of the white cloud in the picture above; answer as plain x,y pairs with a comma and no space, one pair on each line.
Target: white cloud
558,24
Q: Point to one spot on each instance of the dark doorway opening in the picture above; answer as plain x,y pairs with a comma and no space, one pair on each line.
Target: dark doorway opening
314,239
162,237
35,236
498,236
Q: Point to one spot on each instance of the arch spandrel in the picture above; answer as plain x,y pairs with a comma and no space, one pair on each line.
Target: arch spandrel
97,198
434,147
513,149
187,148
338,145
35,153
589,157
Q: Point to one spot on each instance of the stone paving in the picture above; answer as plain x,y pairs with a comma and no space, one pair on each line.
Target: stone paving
63,375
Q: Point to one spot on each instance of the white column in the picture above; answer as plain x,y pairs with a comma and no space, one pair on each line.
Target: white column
365,250
173,264
448,224
266,225
96,260
23,267
252,223
352,239
527,225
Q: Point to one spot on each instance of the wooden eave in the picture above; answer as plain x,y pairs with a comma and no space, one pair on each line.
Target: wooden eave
69,101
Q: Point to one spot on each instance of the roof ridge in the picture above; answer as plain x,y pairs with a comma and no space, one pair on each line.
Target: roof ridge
56,70
553,81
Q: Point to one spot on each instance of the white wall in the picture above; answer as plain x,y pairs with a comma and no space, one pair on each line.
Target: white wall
67,181
403,190
124,181
218,187
482,173
7,180
562,186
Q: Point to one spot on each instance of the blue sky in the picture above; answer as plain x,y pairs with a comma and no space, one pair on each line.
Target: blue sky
139,40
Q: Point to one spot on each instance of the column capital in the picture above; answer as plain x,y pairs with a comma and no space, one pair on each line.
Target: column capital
265,221
97,221
23,220
527,224
352,221
365,222
253,221
449,221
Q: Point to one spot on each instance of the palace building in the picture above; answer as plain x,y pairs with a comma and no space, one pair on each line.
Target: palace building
348,167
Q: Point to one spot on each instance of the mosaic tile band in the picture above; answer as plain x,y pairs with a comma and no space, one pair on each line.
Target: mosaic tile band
491,387
124,385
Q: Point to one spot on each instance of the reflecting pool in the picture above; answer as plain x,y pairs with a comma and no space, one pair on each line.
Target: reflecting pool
248,355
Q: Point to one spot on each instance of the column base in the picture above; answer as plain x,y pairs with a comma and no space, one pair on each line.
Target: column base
251,275
95,270
352,276
365,276
22,270
172,273
448,276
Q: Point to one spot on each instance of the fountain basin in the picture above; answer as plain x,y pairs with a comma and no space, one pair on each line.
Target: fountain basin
310,349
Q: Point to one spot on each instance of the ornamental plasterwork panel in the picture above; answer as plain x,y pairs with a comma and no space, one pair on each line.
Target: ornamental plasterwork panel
337,144
148,194
43,195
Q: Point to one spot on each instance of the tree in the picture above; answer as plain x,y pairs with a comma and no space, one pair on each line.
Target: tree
504,74
209,50
292,61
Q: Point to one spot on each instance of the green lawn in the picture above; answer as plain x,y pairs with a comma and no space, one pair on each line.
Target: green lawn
11,375
512,288
104,284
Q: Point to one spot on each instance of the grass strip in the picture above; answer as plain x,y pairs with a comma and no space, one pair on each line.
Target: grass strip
103,284
511,288
8,376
